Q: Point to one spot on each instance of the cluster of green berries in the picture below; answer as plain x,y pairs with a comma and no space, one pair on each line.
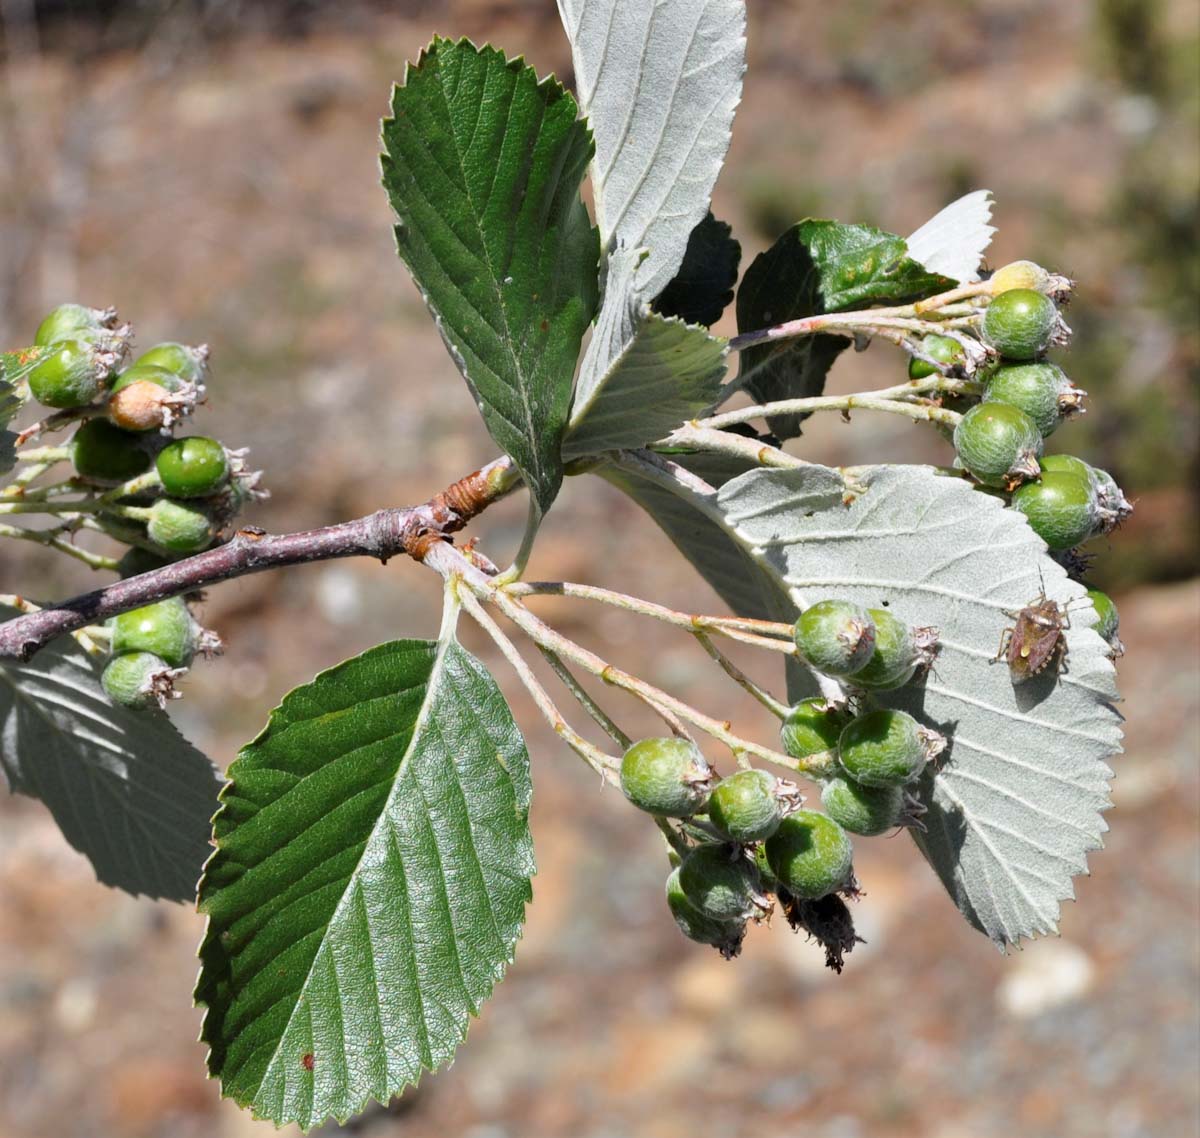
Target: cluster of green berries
871,761
79,357
151,648
999,440
751,836
181,492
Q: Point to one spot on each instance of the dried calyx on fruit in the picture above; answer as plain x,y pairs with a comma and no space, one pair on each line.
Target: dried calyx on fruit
140,680
79,322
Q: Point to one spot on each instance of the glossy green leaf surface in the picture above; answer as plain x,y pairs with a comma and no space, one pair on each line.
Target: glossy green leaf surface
369,884
126,789
818,266
482,164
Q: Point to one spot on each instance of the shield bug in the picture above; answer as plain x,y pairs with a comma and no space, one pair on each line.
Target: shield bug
1036,640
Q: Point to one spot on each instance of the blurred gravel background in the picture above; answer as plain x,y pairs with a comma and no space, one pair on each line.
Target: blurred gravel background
210,168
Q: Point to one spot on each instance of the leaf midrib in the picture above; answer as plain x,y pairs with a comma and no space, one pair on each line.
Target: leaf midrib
519,373
418,724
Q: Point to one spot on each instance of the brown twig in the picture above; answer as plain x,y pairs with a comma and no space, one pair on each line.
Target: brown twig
410,530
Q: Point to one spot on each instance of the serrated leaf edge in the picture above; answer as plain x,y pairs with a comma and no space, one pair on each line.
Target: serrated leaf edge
444,641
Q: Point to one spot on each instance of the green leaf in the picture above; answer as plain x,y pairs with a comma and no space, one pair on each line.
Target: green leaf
369,884
659,84
703,287
1016,803
669,372
126,789
482,166
818,266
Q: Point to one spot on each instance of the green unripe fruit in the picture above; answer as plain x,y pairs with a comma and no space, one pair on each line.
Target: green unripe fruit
895,657
136,679
883,748
1020,323
835,637
1041,390
1019,274
725,935
810,855
866,810
101,452
720,884
179,526
666,777
1067,464
136,560
74,322
812,726
165,628
941,348
187,363
194,467
998,444
1060,508
70,374
1108,623
747,807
